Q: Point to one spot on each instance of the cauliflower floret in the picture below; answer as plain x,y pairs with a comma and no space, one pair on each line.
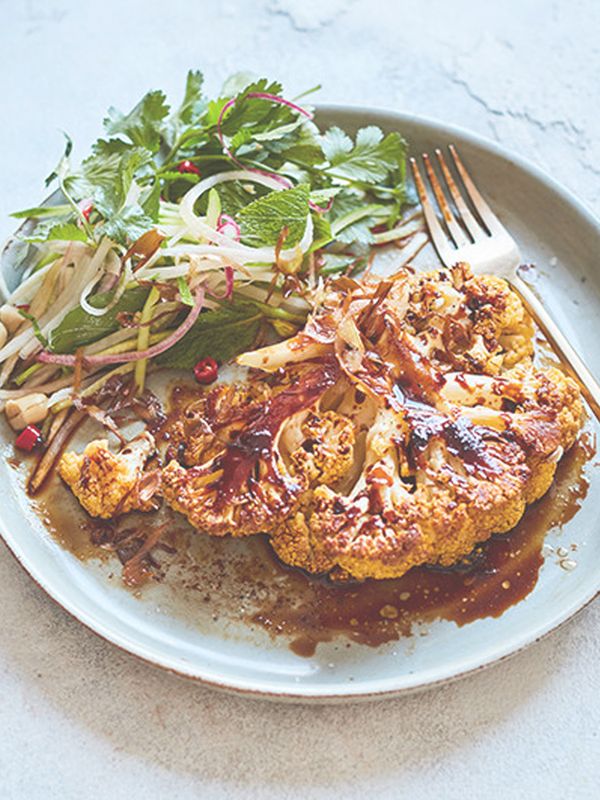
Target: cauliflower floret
326,451
254,481
214,419
107,483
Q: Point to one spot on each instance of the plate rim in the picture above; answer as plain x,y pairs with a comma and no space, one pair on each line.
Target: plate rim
404,684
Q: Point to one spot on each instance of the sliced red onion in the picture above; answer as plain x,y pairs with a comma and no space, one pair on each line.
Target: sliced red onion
321,209
122,358
229,281
229,272
229,227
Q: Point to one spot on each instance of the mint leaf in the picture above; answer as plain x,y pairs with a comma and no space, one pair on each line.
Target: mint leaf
263,220
222,334
79,328
142,126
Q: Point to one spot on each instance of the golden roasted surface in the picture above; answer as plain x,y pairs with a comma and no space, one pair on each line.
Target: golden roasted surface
107,483
403,425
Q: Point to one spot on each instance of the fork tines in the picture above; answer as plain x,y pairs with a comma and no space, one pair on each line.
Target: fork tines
471,220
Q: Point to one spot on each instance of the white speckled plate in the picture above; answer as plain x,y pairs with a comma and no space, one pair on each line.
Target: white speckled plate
556,232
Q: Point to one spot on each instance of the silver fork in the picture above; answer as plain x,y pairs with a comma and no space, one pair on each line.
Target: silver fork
488,247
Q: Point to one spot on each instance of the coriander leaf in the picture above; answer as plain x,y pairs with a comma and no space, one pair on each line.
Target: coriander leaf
108,147
79,328
54,228
150,201
263,220
371,159
279,133
240,138
221,334
110,177
142,126
193,101
67,232
257,112
110,181
302,147
236,83
336,144
125,225
180,123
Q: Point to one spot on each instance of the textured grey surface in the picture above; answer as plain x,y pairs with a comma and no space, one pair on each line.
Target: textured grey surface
79,719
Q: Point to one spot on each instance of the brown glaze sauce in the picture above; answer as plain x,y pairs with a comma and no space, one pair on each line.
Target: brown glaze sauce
224,580
499,574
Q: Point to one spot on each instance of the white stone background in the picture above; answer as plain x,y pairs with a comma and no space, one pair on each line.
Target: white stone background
79,719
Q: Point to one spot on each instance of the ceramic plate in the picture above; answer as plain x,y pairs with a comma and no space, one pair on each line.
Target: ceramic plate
175,625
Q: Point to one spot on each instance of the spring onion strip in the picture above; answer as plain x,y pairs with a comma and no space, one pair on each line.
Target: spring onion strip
144,336
51,386
21,343
399,232
26,290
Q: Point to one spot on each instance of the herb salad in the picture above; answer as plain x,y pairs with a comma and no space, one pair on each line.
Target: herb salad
190,234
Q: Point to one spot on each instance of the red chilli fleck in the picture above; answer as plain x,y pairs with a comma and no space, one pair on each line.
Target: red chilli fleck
188,167
206,371
29,438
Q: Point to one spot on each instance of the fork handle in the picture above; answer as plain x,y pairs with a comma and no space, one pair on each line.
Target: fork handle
571,360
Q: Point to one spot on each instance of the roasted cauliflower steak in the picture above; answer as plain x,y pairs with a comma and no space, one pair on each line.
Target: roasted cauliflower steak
404,424
440,428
